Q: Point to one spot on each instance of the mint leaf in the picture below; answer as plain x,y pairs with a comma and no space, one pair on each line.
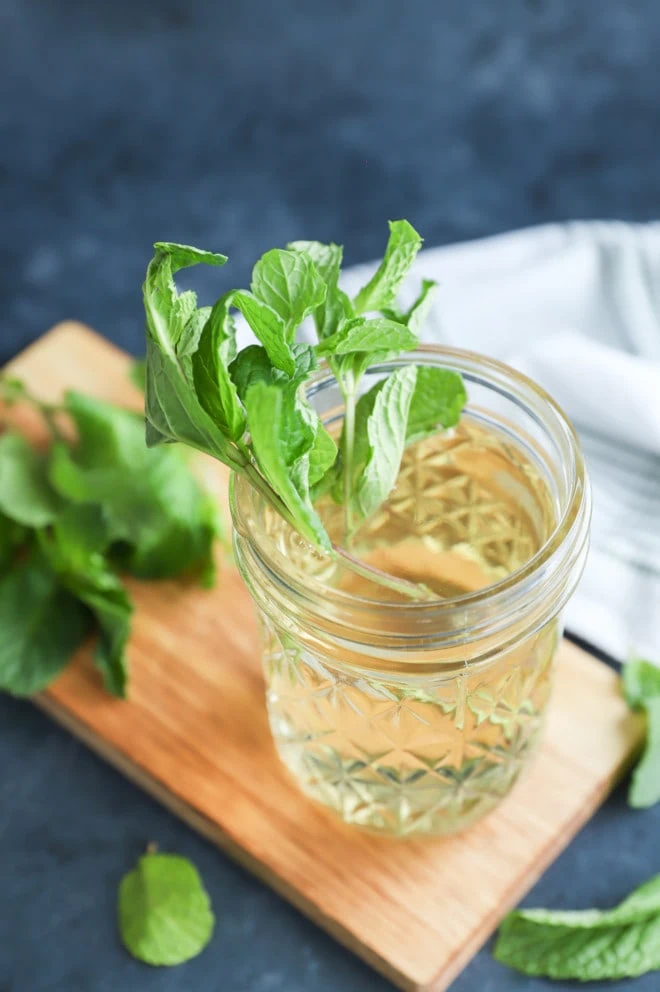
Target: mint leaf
289,282
376,335
588,945
386,432
336,306
74,552
165,915
151,501
641,681
172,408
210,363
269,328
25,495
42,625
437,401
381,290
281,440
252,365
645,784
416,316
322,454
641,687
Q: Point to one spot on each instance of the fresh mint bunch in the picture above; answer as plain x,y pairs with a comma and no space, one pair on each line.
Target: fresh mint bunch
74,518
250,409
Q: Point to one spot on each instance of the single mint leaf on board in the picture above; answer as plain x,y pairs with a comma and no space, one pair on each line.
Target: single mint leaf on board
641,681
362,335
210,362
269,328
588,945
289,282
281,439
645,783
25,495
151,501
381,290
416,316
386,431
165,915
42,625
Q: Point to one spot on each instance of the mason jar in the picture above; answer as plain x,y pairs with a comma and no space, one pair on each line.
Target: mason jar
411,717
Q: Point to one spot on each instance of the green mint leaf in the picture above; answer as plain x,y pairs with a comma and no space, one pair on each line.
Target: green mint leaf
290,284
437,401
645,784
386,432
172,409
588,945
42,625
416,316
362,335
210,362
336,305
641,681
268,327
381,290
74,550
322,455
281,439
25,495
152,502
252,365
164,912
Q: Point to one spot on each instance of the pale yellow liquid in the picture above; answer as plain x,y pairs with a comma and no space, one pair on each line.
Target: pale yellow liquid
406,754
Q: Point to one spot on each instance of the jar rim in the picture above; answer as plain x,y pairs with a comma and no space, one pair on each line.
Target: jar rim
572,521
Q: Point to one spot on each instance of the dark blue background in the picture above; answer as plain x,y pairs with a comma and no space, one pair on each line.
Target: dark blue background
237,126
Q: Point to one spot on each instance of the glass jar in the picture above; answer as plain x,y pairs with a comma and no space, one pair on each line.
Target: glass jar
410,717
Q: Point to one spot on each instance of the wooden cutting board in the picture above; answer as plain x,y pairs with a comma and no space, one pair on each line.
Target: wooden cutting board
194,734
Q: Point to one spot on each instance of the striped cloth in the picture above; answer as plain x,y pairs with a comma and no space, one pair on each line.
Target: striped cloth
577,307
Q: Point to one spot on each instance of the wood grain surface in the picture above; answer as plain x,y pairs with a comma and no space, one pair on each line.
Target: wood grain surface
194,734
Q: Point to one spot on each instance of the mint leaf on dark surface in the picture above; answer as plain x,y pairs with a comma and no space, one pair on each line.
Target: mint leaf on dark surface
164,912
641,687
586,945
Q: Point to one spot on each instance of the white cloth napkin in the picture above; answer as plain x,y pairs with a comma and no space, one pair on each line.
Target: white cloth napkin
577,307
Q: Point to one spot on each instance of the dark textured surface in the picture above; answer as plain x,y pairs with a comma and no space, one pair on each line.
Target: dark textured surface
238,126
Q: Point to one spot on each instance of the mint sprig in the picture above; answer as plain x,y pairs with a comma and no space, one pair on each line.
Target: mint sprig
250,409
